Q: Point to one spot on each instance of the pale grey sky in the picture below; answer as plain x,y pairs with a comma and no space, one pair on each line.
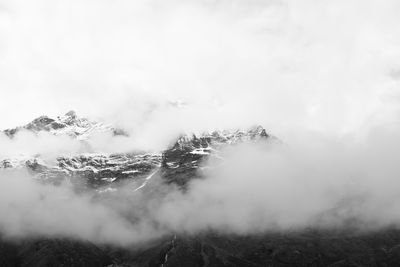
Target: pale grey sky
330,66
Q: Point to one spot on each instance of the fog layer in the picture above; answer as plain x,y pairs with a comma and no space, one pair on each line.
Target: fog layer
317,182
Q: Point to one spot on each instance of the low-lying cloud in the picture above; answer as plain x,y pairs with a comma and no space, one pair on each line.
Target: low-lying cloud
25,144
32,209
317,182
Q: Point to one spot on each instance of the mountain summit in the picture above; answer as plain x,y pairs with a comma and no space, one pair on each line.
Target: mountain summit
179,163
69,124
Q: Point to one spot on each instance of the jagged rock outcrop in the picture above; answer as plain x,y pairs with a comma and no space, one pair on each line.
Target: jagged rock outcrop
69,124
178,163
181,162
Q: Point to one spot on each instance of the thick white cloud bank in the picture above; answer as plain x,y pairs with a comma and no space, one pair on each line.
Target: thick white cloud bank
32,209
329,66
316,183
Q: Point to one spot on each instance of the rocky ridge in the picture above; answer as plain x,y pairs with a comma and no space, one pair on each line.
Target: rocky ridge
179,163
69,124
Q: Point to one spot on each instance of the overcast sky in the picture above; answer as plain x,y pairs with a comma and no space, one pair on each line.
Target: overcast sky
328,66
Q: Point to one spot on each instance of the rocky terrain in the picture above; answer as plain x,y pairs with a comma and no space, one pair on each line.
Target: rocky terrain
69,124
178,164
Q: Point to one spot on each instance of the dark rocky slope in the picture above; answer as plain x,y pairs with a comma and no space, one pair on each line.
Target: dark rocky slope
309,248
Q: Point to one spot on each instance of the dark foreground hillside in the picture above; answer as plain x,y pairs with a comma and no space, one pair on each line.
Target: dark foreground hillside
309,248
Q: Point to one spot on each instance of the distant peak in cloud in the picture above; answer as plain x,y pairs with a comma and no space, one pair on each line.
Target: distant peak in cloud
69,124
71,114
202,143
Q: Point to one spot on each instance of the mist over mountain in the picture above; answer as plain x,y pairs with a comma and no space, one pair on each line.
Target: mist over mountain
199,133
183,203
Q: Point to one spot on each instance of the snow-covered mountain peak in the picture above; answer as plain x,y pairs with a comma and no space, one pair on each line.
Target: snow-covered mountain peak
221,137
179,163
70,118
69,124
